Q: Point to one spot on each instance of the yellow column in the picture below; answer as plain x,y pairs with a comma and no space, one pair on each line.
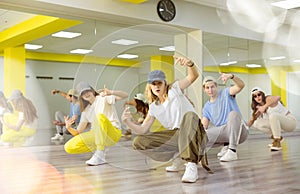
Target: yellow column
14,69
283,87
278,82
165,64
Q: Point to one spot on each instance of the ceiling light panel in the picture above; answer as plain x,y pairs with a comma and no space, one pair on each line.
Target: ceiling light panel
228,63
81,51
64,34
253,65
167,48
33,46
277,58
127,56
124,42
288,4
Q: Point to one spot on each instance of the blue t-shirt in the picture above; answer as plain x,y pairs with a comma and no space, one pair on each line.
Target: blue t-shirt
218,111
75,110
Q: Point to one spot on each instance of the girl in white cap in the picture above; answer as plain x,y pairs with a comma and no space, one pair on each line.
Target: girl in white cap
270,116
21,124
100,111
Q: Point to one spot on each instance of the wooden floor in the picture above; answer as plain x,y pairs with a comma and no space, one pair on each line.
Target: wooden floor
48,169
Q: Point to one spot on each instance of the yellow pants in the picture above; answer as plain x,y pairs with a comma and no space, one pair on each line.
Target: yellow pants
103,135
17,138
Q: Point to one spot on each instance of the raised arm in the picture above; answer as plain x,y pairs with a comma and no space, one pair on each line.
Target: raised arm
238,83
192,72
81,127
63,94
137,129
271,101
120,95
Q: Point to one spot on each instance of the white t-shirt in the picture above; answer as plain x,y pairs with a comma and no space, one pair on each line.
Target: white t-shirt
102,105
171,112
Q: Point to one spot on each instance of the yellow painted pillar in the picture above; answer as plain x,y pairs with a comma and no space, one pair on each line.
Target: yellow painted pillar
14,69
165,64
278,82
283,87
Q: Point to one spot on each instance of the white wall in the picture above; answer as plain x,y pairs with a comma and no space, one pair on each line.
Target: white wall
293,94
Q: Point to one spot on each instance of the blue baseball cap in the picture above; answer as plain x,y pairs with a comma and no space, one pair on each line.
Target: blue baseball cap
156,75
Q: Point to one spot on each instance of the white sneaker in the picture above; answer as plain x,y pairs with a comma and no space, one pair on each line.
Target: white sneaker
57,136
178,164
191,173
98,158
223,151
229,156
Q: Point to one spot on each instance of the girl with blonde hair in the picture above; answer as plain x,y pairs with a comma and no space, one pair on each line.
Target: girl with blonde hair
21,124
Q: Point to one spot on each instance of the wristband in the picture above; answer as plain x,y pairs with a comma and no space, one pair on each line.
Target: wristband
232,76
191,64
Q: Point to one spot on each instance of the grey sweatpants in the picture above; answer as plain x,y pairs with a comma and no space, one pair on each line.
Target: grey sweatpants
234,132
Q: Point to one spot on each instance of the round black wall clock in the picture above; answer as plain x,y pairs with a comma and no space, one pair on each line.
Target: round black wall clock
166,10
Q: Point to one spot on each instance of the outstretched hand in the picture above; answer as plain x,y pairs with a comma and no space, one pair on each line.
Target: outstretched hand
126,114
224,77
105,91
183,61
260,110
69,121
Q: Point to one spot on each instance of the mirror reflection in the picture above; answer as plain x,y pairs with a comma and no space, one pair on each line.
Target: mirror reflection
124,53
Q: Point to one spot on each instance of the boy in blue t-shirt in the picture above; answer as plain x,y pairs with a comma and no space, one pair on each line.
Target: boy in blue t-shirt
228,128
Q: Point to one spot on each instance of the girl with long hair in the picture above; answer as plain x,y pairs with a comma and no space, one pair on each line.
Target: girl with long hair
270,116
21,124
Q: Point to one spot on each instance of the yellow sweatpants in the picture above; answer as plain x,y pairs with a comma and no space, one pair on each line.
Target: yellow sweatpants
16,138
103,135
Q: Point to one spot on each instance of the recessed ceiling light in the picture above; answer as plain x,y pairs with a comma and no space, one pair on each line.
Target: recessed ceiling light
64,34
288,4
253,65
81,51
127,56
124,42
296,60
167,48
228,63
33,46
277,58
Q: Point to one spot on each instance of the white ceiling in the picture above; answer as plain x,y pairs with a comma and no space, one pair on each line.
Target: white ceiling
97,35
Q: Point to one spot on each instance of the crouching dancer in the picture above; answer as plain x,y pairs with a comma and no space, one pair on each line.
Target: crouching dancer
184,135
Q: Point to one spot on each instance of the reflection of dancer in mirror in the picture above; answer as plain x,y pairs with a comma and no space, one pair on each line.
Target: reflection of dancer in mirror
5,107
59,122
100,111
140,103
270,116
185,133
19,126
221,110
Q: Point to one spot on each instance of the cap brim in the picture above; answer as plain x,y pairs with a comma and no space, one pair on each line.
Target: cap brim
84,89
